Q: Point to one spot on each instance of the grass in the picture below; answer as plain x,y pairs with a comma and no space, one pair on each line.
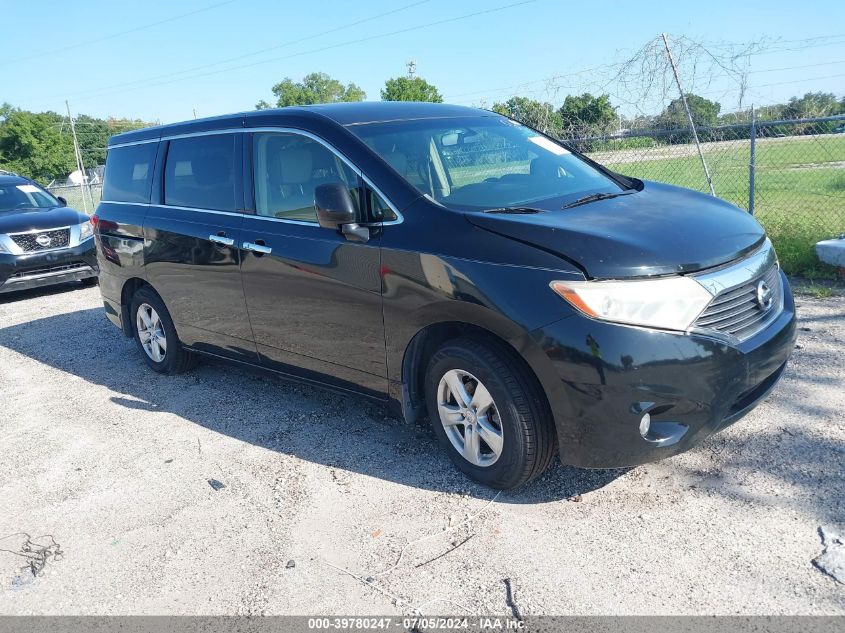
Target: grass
800,187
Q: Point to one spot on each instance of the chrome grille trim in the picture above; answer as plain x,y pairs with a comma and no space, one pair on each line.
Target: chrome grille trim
735,312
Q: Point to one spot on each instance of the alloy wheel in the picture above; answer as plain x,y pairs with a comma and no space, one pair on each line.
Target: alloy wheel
470,417
151,332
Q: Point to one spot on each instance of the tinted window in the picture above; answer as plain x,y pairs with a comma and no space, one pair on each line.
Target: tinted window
129,171
200,172
288,168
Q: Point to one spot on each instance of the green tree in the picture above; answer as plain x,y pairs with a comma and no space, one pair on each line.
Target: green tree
93,135
405,89
586,115
35,145
705,113
812,104
314,88
540,116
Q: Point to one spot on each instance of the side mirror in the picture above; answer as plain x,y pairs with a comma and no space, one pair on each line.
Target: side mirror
336,210
334,205
62,201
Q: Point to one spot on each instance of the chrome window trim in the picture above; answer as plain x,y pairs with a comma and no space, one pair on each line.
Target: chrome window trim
279,130
129,143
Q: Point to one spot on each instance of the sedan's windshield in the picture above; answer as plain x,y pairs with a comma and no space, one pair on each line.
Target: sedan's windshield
25,196
483,162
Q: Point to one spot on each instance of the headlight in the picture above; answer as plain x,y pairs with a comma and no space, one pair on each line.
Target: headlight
3,248
671,303
86,230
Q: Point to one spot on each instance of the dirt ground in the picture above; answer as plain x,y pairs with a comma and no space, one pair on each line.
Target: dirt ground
226,492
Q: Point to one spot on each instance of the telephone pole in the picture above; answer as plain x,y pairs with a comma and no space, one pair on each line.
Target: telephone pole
412,68
79,165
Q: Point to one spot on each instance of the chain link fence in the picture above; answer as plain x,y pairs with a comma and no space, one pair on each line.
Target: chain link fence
82,197
790,174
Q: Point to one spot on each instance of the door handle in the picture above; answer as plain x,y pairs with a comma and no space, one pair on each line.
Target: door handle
258,248
221,239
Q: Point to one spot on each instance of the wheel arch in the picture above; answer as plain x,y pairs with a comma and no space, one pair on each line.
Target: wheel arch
130,287
425,342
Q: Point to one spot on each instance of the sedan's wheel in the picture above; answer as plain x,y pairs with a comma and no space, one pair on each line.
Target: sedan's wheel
490,413
469,417
156,336
151,333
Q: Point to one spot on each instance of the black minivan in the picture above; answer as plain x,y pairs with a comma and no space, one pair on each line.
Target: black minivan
454,264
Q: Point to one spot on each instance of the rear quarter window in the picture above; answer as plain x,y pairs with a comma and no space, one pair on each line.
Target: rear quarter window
129,172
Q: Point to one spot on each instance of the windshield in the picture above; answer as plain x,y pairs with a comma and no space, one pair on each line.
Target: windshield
483,162
25,196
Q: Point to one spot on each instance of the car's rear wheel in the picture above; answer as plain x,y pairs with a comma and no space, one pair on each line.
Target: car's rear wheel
88,282
489,413
155,334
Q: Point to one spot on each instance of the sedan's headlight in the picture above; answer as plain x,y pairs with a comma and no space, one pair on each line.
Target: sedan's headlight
3,248
671,303
86,230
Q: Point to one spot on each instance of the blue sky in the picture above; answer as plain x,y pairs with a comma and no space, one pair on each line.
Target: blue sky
205,61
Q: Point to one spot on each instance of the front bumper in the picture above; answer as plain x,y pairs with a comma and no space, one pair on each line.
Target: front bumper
33,270
691,385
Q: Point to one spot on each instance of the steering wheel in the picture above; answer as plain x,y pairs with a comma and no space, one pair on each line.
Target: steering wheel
21,205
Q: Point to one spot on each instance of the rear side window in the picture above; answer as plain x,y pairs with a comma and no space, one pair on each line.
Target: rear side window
129,172
200,172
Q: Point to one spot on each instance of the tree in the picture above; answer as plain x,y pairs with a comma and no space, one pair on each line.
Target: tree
34,145
812,104
405,89
705,113
314,88
540,116
586,115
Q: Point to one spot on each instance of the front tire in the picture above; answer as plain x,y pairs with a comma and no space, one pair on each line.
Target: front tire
489,413
155,334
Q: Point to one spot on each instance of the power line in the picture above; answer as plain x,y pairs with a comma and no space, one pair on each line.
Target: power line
139,82
114,35
324,48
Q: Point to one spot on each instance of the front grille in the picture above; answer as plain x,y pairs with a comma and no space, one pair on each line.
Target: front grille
66,268
737,310
29,242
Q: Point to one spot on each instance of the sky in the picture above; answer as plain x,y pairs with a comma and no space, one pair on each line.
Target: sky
168,61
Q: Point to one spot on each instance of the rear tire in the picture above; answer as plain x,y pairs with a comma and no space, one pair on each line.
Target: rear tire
504,436
90,282
155,334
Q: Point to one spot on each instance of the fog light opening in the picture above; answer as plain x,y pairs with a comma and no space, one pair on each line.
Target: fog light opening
645,424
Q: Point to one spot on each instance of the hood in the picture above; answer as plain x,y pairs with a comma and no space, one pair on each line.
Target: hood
656,231
19,221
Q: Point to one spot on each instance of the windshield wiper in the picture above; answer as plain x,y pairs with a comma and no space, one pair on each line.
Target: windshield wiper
514,210
595,197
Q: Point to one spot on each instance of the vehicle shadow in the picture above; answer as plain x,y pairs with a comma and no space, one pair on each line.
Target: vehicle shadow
317,425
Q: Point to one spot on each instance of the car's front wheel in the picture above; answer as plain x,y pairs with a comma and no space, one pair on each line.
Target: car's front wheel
489,413
155,334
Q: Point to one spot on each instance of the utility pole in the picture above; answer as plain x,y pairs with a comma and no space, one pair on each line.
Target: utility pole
79,164
412,68
689,114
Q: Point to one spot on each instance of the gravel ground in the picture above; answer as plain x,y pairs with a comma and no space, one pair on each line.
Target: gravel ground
114,462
